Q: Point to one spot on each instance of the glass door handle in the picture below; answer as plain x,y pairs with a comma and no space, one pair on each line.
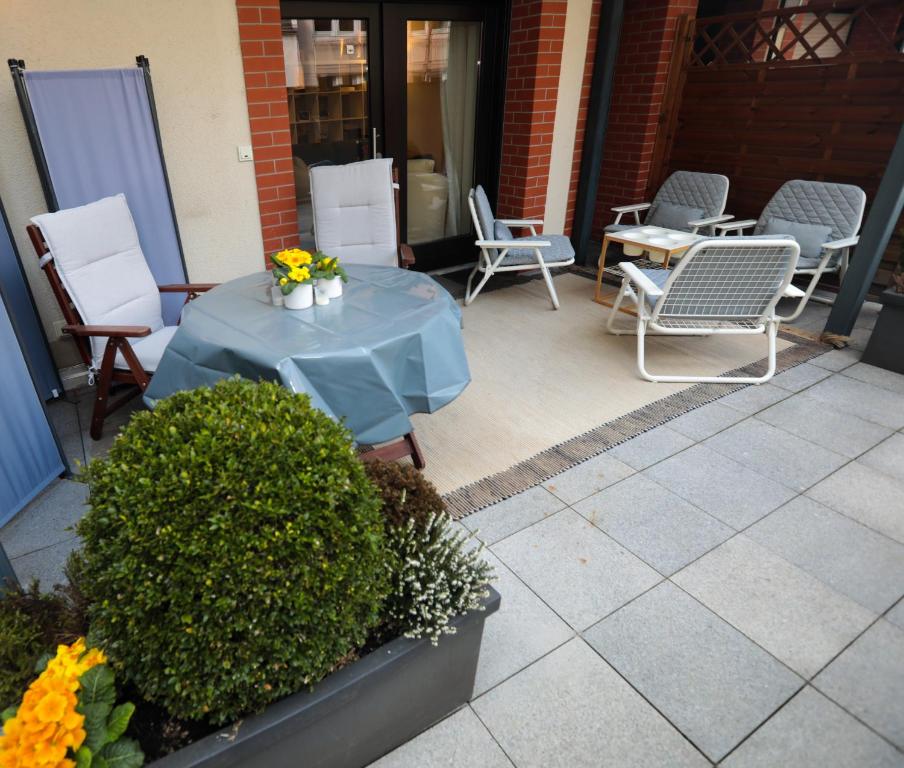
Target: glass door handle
374,135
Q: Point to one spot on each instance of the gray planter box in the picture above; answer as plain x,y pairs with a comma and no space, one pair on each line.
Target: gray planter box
357,714
886,343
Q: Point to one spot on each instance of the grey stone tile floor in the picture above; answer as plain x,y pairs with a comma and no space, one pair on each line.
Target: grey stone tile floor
727,589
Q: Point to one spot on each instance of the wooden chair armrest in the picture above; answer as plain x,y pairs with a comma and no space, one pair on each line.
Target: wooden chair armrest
406,255
121,331
186,287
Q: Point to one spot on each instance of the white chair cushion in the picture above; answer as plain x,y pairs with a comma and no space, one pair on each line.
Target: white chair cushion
354,212
149,349
96,251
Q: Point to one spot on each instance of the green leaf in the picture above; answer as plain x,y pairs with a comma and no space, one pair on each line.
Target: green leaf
42,663
83,757
99,762
8,714
124,753
119,721
95,724
97,686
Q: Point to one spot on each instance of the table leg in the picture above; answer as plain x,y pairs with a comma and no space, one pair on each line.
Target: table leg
597,296
406,445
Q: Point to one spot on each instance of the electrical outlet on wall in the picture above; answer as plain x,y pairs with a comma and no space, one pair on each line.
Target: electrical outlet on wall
244,152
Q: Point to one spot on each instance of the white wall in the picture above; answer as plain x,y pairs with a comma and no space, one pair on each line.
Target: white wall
571,77
196,65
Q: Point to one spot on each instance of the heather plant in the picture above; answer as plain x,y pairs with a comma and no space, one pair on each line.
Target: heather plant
406,494
234,551
437,577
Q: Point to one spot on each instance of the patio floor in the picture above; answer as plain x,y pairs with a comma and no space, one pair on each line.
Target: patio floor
725,589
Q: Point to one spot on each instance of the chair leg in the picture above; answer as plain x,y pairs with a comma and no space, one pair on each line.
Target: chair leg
469,296
553,297
105,380
619,298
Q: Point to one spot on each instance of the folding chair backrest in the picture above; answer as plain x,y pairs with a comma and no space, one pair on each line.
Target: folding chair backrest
98,257
354,212
839,206
728,279
483,218
693,189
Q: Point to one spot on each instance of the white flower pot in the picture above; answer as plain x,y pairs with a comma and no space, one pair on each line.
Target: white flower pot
332,287
300,298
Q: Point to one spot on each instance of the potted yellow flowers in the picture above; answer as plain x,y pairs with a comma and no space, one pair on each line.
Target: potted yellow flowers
292,273
330,275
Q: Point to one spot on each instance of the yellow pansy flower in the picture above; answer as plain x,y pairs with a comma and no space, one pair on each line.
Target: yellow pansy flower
283,280
299,274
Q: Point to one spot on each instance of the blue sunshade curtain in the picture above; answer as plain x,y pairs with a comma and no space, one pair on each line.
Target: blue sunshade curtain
29,456
96,129
22,309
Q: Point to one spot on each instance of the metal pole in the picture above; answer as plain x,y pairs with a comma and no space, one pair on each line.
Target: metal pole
17,70
880,223
597,118
7,574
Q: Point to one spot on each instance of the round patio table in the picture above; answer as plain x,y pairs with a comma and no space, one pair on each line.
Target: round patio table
389,347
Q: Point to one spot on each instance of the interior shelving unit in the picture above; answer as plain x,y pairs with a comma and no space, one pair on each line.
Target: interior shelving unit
327,113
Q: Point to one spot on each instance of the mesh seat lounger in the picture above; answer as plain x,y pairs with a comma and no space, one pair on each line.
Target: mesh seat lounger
507,253
721,286
93,261
837,207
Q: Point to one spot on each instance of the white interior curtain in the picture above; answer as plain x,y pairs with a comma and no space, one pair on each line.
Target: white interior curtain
459,108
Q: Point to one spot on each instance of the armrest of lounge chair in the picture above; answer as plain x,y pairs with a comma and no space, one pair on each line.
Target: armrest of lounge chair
735,226
640,279
506,244
122,331
186,287
837,245
635,208
709,221
521,222
406,255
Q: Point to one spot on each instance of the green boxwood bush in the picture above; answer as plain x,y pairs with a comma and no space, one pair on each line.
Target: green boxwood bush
234,549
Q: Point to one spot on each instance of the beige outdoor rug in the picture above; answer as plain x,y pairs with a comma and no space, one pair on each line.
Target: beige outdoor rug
551,389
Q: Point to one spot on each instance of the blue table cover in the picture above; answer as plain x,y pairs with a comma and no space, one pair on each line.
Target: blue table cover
390,347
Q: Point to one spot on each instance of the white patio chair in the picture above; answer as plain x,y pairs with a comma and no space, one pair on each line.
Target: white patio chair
686,201
721,286
356,210
501,251
823,217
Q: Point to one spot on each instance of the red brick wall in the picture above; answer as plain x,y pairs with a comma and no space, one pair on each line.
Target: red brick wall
534,62
582,115
265,86
647,41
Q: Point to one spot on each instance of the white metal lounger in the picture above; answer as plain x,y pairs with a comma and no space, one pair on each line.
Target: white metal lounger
721,286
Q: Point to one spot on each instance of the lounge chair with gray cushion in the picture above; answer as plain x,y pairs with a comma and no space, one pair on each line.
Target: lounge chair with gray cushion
822,217
687,201
721,286
501,251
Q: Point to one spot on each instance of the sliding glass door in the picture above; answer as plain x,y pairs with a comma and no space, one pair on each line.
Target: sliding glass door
421,83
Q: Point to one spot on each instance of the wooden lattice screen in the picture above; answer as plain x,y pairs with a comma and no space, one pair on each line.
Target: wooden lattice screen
813,91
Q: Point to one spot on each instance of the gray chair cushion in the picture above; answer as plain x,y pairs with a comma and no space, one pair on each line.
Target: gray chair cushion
810,237
706,191
838,206
621,227
484,214
672,216
559,250
502,232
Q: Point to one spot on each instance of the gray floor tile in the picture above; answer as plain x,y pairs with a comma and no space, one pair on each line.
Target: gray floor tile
866,495
719,485
571,710
864,400
896,615
837,359
887,457
836,430
851,558
47,520
506,517
593,475
707,678
777,454
46,565
459,740
859,338
868,680
754,397
520,632
799,377
879,377
794,616
659,527
812,732
579,571
706,421
650,447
